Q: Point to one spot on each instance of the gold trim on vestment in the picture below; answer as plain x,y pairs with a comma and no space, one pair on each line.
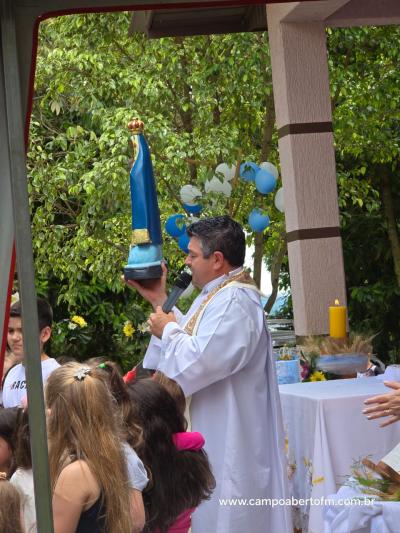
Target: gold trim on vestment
241,277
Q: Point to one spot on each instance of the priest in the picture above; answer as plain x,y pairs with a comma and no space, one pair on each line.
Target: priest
220,353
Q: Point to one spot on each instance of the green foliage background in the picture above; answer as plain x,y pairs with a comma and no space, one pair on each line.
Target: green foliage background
204,100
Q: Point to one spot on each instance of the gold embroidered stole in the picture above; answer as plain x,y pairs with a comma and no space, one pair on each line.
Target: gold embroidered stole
243,278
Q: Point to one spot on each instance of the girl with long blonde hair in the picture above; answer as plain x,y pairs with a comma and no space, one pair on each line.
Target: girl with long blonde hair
87,463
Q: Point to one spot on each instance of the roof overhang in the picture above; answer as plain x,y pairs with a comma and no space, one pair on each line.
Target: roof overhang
251,16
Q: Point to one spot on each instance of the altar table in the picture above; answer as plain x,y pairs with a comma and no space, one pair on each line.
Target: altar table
326,434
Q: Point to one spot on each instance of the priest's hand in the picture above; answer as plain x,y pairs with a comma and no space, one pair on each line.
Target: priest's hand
158,320
385,405
152,290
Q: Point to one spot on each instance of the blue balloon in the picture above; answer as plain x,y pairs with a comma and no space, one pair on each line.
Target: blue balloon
258,221
193,209
265,181
183,242
172,228
248,171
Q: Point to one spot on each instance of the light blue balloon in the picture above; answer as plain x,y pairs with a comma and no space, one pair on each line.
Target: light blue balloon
248,171
183,242
193,209
172,228
258,221
265,181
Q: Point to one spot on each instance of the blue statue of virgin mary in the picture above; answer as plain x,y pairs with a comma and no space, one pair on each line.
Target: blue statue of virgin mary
145,255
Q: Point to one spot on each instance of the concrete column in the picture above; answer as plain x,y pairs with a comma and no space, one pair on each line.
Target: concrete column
304,121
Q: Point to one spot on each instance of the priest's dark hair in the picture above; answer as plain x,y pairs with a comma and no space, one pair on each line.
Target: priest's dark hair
222,234
180,479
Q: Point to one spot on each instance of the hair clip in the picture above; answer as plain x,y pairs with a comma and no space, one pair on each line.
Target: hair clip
102,365
81,373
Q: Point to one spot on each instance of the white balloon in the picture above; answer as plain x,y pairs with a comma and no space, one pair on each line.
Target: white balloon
190,194
226,170
269,167
216,185
279,200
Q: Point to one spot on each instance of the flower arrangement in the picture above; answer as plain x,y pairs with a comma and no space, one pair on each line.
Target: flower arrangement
308,366
317,375
354,343
315,347
376,480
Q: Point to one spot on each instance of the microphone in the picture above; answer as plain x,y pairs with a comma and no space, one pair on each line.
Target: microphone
182,282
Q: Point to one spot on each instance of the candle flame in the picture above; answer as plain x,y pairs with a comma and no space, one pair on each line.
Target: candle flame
336,302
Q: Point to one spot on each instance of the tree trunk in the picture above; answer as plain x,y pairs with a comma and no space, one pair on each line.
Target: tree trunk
275,272
268,129
269,121
258,256
389,214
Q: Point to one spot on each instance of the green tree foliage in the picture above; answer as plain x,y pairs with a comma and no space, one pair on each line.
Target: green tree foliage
365,86
204,100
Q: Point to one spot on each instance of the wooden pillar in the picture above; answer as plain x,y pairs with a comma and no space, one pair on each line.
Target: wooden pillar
304,121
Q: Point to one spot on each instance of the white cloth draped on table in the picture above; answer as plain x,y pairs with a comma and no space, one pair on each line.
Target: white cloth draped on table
228,370
341,517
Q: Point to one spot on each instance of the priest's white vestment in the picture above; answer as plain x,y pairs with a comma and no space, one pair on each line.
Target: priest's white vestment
227,368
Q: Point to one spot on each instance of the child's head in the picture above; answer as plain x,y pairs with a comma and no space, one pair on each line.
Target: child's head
110,372
83,425
10,508
156,408
81,409
15,336
23,458
173,388
8,426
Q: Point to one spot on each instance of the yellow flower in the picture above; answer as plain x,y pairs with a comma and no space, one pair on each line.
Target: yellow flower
317,375
128,329
79,320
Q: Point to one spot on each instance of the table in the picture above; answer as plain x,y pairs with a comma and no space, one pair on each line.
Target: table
326,433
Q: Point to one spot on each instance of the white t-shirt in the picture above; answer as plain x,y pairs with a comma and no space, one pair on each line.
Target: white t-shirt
136,471
14,388
23,480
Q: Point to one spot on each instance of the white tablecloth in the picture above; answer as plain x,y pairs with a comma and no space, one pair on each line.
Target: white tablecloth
327,433
345,513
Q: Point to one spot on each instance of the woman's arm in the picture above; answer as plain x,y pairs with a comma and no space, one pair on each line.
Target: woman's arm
137,510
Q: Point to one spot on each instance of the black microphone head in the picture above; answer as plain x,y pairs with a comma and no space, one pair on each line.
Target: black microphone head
183,280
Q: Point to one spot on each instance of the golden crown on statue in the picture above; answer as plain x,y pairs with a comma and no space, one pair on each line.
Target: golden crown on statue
136,125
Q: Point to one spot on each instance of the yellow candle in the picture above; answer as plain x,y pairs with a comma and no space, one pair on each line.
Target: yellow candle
337,320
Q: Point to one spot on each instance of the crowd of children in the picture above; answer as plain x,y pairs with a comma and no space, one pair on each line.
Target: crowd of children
120,457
